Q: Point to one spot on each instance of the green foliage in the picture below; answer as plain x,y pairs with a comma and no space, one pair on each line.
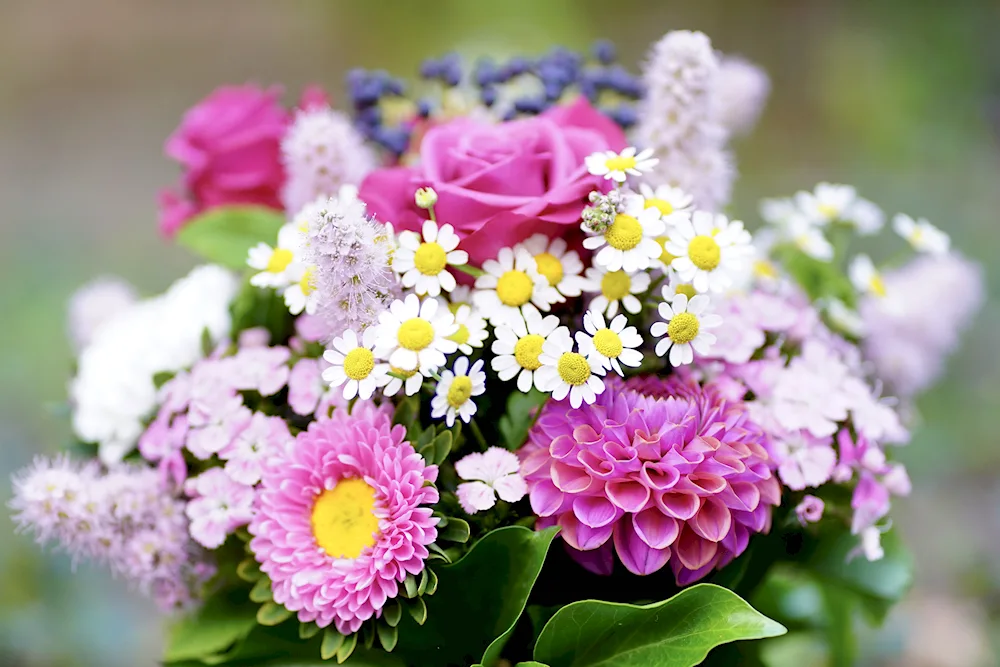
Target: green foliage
818,278
224,619
678,632
514,424
256,307
224,235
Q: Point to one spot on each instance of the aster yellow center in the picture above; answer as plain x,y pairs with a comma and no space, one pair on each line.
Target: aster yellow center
550,267
665,256
686,290
460,391
343,519
573,368
306,282
704,252
461,336
683,328
358,363
620,163
430,259
608,343
514,288
876,285
624,233
662,204
615,285
279,261
526,351
415,334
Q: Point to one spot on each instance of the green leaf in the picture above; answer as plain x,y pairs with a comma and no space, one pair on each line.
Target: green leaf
406,414
331,643
248,570
518,419
442,447
418,610
478,601
272,613
678,632
345,650
432,581
261,591
387,636
308,630
163,377
531,663
457,530
225,234
392,612
223,620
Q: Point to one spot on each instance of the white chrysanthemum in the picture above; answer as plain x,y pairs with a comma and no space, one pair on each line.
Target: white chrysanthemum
611,345
413,335
510,282
462,294
301,295
94,305
409,381
322,151
921,234
518,345
777,211
615,288
277,265
673,203
808,238
827,203
453,396
113,391
422,261
865,277
353,364
619,166
566,372
560,266
710,251
865,216
684,328
629,243
471,328
742,92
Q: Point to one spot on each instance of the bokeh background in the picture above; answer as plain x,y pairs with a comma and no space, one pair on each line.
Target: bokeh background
899,97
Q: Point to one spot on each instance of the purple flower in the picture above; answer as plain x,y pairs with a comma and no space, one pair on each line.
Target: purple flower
810,510
219,506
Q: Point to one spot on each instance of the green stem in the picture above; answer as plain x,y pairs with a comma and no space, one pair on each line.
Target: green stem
470,270
477,434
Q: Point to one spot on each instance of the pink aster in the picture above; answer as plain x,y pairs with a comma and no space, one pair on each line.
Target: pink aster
490,474
663,469
300,505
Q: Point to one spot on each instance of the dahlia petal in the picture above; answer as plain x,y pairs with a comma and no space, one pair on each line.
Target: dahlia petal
681,505
599,561
637,556
580,536
712,521
594,511
628,495
693,551
545,498
654,528
570,479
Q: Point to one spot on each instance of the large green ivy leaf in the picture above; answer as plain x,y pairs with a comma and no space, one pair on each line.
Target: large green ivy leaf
225,619
478,601
678,632
224,235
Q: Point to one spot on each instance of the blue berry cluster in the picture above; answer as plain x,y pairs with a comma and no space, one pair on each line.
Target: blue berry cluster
558,71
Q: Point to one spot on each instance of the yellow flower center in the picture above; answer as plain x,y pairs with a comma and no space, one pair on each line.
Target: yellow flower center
461,336
683,328
624,233
573,368
279,261
620,163
415,334
828,211
514,288
686,290
662,204
608,343
765,269
430,259
402,372
306,282
550,267
358,363
665,256
876,285
526,351
704,252
460,391
343,520
615,285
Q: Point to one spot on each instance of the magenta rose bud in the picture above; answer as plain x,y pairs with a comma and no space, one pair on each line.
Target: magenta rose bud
229,148
498,184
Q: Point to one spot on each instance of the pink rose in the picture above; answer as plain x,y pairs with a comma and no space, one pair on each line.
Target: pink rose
498,184
229,146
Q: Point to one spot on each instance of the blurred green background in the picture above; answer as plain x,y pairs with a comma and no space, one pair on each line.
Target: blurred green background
901,98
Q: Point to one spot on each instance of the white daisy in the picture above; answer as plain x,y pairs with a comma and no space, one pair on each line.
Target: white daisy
353,365
808,238
409,381
669,200
565,372
562,268
511,281
865,216
843,317
462,294
618,166
610,345
684,328
777,211
709,250
826,203
453,396
615,287
518,345
471,328
301,294
276,265
922,235
422,261
413,334
865,277
629,242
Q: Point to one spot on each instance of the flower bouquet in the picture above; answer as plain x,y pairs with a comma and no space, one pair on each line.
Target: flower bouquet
482,374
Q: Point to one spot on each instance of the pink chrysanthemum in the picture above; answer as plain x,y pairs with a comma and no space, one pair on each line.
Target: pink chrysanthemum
663,470
343,518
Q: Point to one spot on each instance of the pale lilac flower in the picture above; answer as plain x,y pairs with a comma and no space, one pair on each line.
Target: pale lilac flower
810,510
493,473
873,417
260,369
254,337
804,461
870,546
245,456
219,506
897,480
305,386
742,90
870,502
808,393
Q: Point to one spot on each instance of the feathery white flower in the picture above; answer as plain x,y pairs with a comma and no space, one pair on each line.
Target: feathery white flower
742,93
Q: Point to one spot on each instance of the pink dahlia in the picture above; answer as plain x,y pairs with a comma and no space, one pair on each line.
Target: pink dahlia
343,518
660,470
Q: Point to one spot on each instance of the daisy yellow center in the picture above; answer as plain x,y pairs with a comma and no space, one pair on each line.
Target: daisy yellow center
662,204
306,283
514,288
550,267
704,252
624,233
343,519
402,373
608,343
460,391
430,259
828,211
526,351
686,290
876,285
279,261
765,269
461,336
683,328
615,285
415,334
665,256
358,363
573,368
620,163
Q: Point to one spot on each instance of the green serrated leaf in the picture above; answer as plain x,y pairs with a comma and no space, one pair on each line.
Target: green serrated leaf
224,235
457,530
518,418
392,612
432,581
678,632
387,636
332,641
261,591
345,650
442,447
248,570
224,619
272,613
308,630
418,610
